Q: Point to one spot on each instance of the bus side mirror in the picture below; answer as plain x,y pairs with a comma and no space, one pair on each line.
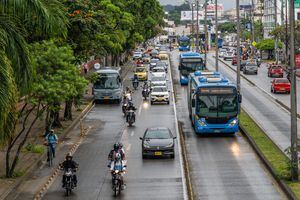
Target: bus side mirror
240,98
193,103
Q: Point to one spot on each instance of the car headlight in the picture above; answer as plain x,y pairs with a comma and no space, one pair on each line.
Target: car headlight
146,145
202,123
233,122
169,145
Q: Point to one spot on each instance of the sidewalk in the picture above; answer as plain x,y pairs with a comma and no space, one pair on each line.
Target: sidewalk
68,135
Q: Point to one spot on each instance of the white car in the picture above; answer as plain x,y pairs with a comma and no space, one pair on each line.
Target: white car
228,55
160,94
137,55
222,52
158,80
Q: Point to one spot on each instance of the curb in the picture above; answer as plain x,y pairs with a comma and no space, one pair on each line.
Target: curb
252,83
283,186
185,162
38,162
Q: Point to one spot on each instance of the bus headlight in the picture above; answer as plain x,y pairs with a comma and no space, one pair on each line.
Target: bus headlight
233,122
202,123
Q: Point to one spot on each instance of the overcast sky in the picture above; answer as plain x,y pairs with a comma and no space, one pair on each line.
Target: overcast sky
228,4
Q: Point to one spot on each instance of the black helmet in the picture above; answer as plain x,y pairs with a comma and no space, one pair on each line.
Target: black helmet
116,146
69,156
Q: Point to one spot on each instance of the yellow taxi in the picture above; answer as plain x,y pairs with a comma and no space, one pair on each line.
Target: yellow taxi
141,73
163,55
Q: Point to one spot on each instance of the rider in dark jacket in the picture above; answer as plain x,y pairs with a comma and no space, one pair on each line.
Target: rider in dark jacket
67,164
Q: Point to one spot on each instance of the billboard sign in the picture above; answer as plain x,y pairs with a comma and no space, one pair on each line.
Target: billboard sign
187,15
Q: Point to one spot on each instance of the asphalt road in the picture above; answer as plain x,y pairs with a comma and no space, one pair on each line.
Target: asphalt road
146,179
222,167
271,116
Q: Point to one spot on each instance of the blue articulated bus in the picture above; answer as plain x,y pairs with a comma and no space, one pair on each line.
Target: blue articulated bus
184,43
214,104
189,62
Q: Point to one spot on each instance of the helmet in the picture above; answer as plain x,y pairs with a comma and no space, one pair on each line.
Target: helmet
51,131
120,145
69,156
116,146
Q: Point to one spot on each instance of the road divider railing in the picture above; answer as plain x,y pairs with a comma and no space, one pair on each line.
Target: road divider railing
275,161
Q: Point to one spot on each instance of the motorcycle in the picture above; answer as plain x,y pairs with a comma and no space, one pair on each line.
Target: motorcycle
69,183
135,84
124,107
130,118
117,182
145,93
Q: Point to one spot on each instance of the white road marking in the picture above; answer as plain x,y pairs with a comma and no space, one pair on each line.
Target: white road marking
132,133
140,109
128,147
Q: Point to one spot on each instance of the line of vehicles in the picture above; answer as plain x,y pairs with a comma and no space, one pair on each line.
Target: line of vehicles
279,84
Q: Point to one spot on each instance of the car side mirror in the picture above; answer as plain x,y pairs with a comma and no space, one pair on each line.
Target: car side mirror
141,138
179,67
193,103
240,98
175,137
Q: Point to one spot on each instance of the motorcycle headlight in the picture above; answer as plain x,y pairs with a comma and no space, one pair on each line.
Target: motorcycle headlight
233,122
116,171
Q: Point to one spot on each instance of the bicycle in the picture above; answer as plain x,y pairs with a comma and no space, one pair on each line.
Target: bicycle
50,155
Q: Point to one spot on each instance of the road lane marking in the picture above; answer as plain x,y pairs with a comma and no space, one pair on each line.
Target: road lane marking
132,133
128,147
140,109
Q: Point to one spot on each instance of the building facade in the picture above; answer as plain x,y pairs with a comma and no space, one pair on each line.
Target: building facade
269,15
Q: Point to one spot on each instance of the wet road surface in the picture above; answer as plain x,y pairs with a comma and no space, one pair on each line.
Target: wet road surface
222,167
146,179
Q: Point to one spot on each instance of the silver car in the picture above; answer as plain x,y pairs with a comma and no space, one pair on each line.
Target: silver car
250,67
228,55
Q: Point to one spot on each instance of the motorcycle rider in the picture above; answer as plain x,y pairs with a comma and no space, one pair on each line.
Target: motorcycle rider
135,80
127,94
112,154
69,163
130,107
119,164
145,89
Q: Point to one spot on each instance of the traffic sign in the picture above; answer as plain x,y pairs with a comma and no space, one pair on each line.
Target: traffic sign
254,43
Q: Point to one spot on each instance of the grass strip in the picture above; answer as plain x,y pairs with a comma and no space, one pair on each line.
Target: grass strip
278,160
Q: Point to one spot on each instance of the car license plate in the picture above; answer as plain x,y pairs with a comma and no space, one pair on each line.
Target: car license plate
106,97
160,99
282,89
217,131
158,153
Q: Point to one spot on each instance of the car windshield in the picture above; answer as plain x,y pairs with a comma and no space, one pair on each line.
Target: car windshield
158,134
108,81
282,81
158,78
146,55
161,64
154,61
276,67
217,105
140,69
229,53
158,69
222,50
251,64
159,89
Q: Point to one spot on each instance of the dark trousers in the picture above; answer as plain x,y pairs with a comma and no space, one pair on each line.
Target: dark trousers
52,146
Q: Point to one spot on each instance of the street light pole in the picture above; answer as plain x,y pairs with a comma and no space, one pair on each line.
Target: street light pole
205,32
252,28
294,153
276,39
197,31
192,5
216,36
286,33
238,51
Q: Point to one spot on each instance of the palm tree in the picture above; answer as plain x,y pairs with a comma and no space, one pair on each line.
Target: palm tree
22,21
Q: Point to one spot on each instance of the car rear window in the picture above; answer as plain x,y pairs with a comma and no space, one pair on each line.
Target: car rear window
276,67
282,81
158,134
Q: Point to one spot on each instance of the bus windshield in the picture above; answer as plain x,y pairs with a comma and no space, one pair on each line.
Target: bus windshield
184,43
108,81
217,105
189,67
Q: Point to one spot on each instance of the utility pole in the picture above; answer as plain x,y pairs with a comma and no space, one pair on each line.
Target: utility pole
294,156
286,33
216,36
197,31
205,32
276,39
238,48
193,33
252,29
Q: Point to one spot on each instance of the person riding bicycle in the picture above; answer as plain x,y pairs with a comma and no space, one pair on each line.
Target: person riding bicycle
69,163
51,141
113,152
